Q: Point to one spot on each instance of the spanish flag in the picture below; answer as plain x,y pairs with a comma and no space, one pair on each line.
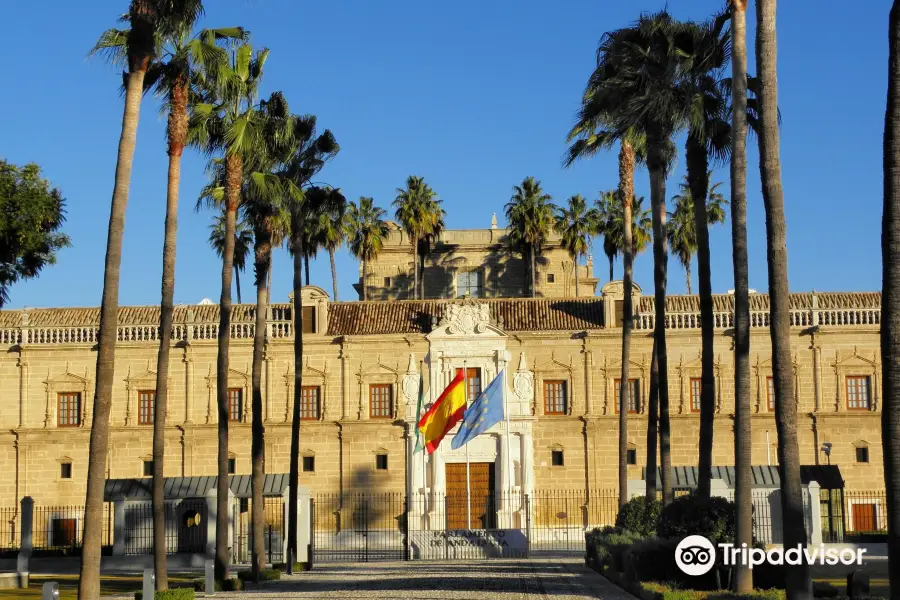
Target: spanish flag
444,413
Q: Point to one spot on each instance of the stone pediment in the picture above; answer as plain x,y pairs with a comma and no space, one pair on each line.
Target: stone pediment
855,360
466,319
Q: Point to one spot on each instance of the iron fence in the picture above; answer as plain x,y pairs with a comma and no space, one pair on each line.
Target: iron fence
851,515
59,528
273,530
9,529
185,526
359,527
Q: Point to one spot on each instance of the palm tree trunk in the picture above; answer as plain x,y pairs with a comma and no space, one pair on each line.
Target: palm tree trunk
177,133
269,282
797,584
890,315
333,272
657,169
533,271
575,266
611,259
263,258
89,579
687,279
233,176
237,284
415,245
698,180
365,291
742,438
422,276
626,188
306,267
652,425
294,475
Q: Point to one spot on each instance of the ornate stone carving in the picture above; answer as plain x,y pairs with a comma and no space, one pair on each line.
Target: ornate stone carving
523,381
467,319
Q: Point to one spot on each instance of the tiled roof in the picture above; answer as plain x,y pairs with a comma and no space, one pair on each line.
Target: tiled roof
760,302
128,315
274,484
415,316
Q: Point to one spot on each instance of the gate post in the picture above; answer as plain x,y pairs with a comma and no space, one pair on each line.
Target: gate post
527,526
118,548
405,524
26,523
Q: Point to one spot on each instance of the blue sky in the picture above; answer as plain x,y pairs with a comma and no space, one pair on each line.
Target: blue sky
473,95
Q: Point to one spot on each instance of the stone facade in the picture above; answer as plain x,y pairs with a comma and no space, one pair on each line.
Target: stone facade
497,271
49,357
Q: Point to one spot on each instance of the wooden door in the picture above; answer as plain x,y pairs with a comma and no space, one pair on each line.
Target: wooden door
481,488
864,517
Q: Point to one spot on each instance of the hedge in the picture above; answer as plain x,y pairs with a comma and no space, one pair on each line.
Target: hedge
606,547
713,518
264,575
659,591
173,594
640,515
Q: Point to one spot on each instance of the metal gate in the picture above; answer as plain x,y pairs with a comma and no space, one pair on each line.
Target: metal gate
359,527
273,528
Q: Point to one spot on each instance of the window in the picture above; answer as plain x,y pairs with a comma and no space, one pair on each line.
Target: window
858,397
148,468
555,397
381,462
309,319
473,382
309,402
551,278
632,395
770,393
619,314
387,282
309,464
146,400
232,466
65,470
235,404
556,458
68,412
469,283
862,454
696,391
380,401
631,456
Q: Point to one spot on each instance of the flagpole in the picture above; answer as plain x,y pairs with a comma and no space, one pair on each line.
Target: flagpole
508,465
468,490
424,465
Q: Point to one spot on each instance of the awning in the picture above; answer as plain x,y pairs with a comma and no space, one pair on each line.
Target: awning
174,488
764,476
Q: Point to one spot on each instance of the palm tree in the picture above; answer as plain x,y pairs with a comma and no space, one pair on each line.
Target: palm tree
529,213
366,231
418,210
331,227
742,435
683,233
243,242
576,225
226,122
890,307
308,155
149,20
435,217
612,226
798,583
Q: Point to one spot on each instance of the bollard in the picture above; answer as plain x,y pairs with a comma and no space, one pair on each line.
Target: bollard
289,566
50,591
149,584
210,578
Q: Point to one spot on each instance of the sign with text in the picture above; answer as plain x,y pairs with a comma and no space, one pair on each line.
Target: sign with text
467,543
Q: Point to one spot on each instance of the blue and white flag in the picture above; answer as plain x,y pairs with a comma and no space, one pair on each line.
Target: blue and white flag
481,415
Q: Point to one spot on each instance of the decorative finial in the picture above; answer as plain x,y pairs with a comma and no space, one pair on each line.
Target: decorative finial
494,221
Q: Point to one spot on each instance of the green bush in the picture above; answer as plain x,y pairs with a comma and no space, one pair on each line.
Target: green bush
769,576
651,559
172,594
640,515
605,547
661,591
229,585
713,518
264,575
298,567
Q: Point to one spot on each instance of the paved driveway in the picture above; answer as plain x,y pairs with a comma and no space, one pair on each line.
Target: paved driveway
556,579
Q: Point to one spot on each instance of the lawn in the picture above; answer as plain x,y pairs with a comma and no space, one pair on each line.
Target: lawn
878,586
68,586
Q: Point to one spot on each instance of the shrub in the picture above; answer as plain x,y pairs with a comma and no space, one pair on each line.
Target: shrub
651,559
662,591
264,575
640,515
713,518
769,576
606,546
298,567
172,594
228,585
